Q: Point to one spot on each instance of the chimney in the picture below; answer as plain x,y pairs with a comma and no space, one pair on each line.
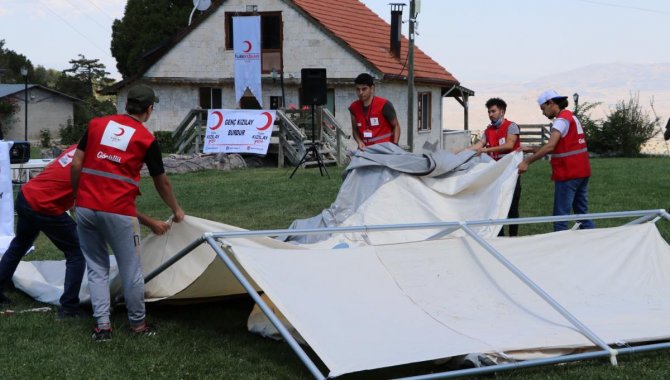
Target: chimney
396,28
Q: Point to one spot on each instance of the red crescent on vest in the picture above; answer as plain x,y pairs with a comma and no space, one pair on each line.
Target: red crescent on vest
121,132
218,123
248,46
269,122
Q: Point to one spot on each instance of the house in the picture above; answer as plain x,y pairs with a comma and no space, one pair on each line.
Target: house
47,109
196,69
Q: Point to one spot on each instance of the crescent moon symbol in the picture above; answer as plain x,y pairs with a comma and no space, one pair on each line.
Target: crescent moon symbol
248,46
269,122
218,123
121,132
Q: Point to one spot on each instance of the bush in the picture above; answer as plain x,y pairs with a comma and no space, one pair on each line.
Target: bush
624,131
70,133
45,138
165,140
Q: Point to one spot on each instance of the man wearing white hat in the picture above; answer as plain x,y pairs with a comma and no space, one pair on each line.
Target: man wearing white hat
570,167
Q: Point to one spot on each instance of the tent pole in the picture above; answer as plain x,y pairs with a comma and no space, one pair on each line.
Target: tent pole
178,256
544,295
266,310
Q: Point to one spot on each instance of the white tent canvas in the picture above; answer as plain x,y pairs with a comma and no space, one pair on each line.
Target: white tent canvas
379,306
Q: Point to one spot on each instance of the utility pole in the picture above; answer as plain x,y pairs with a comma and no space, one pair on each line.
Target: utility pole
410,77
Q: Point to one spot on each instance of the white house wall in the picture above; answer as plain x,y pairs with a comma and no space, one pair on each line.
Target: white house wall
201,60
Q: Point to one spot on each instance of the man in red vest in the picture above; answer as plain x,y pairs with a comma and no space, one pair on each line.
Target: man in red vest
41,206
105,178
501,137
570,166
373,118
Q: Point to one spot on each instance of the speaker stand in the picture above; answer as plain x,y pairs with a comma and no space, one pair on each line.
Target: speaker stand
314,151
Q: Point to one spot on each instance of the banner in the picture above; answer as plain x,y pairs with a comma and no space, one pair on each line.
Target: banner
6,197
247,49
238,131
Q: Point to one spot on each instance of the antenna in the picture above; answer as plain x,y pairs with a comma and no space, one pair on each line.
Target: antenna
201,5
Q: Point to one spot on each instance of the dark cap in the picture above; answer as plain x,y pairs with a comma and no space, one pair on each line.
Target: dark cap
142,95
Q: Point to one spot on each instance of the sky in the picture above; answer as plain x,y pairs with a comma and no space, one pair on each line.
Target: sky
476,40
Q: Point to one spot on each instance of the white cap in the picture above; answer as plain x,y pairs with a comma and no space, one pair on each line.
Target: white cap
548,95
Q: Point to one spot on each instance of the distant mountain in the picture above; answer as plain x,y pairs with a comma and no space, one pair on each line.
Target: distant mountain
630,76
604,83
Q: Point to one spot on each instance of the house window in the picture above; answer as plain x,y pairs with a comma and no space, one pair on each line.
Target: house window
424,105
210,98
271,38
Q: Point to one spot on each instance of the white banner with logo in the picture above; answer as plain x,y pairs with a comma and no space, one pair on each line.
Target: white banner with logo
238,131
6,197
247,49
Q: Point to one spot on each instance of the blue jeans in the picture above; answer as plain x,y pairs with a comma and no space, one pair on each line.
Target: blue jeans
62,231
572,195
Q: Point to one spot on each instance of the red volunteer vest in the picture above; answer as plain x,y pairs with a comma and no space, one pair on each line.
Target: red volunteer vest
372,125
50,193
570,158
497,137
110,175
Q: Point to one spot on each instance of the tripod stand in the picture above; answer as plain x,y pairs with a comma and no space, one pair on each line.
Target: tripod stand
314,151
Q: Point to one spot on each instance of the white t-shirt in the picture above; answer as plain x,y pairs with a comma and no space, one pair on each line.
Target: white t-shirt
562,126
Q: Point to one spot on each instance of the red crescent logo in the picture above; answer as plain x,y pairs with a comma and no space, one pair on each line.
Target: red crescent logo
121,132
248,46
269,122
218,123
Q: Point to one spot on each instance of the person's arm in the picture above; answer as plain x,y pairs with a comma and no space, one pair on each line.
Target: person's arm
356,133
506,147
158,227
75,169
164,189
396,130
543,151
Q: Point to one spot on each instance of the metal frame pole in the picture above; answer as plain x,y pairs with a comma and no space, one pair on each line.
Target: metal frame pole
536,363
544,295
295,346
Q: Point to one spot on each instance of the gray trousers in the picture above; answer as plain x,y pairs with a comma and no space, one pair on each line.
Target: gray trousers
96,230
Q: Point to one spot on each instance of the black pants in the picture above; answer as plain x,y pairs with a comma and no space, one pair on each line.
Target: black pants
513,229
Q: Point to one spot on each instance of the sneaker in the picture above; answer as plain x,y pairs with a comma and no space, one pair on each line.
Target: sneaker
101,335
64,314
146,330
4,300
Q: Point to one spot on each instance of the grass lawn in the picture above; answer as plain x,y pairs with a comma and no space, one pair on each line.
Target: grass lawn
211,341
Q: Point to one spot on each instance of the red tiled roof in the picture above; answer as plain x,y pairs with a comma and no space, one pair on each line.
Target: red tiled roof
369,35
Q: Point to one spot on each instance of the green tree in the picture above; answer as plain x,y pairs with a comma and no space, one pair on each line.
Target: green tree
83,80
628,127
10,65
591,126
145,25
45,77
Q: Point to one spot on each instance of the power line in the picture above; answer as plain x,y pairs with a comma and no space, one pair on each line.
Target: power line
625,7
101,10
75,29
89,17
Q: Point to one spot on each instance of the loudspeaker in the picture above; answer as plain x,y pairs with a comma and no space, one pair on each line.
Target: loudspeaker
314,88
19,153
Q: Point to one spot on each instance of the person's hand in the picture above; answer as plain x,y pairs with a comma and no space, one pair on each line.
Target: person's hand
178,215
361,145
523,167
528,149
158,227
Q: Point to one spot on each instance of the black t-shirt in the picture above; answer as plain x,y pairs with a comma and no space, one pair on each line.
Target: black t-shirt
153,157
